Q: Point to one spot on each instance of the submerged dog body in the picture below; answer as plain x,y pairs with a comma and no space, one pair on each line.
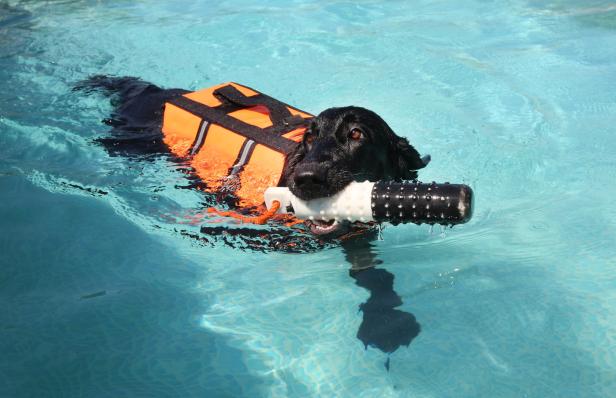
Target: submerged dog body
339,146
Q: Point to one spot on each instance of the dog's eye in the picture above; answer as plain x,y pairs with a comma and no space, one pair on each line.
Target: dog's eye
309,138
356,134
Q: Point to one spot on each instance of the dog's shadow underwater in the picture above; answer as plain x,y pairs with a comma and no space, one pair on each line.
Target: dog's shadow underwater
383,326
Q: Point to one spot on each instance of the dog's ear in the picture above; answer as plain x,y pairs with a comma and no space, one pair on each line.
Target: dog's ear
406,159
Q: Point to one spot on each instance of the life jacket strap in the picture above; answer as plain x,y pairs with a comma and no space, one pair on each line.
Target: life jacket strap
259,135
279,114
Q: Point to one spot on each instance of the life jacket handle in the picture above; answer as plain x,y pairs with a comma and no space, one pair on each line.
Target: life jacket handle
278,113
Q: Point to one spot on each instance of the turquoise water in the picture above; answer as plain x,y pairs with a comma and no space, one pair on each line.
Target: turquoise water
103,294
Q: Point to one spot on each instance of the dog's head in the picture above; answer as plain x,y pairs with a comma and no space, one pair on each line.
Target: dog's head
348,144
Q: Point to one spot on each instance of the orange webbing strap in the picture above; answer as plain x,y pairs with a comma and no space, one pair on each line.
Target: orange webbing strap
361,230
293,222
260,220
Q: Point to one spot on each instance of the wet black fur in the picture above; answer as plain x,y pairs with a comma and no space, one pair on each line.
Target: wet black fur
336,160
137,117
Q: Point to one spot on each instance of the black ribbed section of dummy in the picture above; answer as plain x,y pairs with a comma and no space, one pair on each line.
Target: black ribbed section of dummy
421,203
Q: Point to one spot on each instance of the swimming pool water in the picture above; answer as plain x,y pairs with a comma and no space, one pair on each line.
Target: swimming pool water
102,295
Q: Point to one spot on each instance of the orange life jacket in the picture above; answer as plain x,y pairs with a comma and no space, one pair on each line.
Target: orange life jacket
235,138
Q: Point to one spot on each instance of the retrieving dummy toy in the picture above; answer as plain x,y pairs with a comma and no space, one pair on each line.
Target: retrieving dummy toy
383,201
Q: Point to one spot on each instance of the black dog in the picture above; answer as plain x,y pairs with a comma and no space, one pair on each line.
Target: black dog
348,144
344,145
341,145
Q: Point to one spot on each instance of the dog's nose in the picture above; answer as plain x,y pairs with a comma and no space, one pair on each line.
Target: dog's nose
309,177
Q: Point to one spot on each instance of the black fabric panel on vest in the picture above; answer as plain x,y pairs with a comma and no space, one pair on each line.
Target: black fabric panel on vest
291,124
227,107
278,112
249,131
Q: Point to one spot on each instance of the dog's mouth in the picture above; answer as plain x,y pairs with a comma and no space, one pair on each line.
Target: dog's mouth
330,228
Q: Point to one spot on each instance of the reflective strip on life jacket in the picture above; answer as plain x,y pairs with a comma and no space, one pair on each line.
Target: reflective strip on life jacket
235,138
